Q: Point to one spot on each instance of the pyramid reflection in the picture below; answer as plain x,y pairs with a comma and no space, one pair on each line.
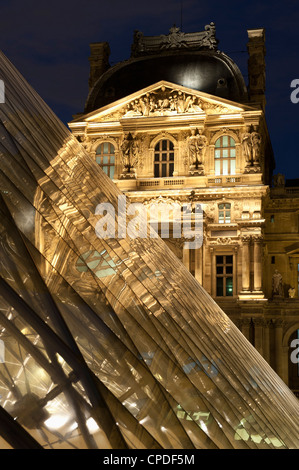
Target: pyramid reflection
110,343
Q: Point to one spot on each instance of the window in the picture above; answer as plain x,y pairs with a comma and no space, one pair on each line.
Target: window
272,219
225,156
163,159
105,157
224,213
224,276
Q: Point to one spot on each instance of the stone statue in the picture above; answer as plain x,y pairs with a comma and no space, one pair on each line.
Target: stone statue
256,141
252,144
277,287
291,292
197,143
129,152
247,147
278,180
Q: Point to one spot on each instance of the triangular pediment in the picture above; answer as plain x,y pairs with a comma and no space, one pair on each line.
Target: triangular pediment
163,99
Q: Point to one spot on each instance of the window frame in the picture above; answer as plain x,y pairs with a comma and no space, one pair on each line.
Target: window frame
226,213
225,157
164,158
225,275
109,165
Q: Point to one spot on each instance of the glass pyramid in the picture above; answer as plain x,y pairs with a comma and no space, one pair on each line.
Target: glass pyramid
110,343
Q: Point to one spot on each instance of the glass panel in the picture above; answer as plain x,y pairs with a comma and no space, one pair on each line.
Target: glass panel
217,143
112,172
225,153
233,153
219,259
164,157
164,144
229,286
105,169
219,287
229,270
171,156
217,167
217,153
105,159
112,159
111,148
106,147
157,157
171,169
219,270
232,142
99,160
229,259
232,167
157,171
84,363
225,167
164,170
99,149
225,141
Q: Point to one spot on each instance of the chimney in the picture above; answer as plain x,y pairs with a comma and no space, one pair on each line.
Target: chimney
99,61
256,67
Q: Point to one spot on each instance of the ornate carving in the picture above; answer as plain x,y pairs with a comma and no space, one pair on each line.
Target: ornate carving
197,143
163,101
277,286
129,154
279,180
175,40
252,144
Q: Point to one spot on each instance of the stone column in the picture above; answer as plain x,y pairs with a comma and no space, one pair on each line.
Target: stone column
246,263
268,325
198,265
245,327
257,260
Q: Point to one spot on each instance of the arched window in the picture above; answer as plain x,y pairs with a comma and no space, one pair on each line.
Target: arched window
105,157
224,213
225,156
164,159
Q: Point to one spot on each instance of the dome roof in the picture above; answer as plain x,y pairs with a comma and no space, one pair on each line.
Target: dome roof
197,66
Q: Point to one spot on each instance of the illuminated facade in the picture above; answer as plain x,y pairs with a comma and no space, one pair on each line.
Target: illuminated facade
176,124
112,343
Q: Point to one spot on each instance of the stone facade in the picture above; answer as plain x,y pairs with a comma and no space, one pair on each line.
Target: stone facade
168,143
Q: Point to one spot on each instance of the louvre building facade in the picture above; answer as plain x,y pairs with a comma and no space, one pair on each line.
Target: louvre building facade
131,340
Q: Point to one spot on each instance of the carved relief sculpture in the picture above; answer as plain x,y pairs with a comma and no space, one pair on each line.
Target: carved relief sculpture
277,287
197,143
129,153
252,145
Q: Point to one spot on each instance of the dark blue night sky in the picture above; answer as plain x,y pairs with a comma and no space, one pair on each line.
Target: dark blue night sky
49,43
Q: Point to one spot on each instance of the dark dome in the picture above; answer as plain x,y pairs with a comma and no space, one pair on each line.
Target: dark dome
212,72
